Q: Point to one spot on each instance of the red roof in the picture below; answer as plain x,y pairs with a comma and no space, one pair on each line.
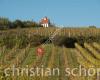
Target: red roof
44,20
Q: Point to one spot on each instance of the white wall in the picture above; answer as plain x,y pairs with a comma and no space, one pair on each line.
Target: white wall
45,25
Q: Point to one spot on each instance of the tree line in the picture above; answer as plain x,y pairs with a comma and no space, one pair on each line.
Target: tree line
5,23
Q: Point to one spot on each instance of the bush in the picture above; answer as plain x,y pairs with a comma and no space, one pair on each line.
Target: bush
64,41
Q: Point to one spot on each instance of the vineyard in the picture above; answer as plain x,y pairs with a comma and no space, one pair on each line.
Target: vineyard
70,32
19,48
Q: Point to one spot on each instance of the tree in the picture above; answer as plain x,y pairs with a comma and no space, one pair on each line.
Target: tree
18,24
29,24
4,23
92,26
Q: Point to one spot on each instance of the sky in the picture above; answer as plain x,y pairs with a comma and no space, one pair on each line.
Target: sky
70,13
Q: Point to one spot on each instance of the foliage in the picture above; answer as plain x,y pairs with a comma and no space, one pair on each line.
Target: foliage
92,26
87,55
10,39
5,23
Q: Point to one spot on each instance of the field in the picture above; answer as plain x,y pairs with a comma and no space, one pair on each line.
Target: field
57,62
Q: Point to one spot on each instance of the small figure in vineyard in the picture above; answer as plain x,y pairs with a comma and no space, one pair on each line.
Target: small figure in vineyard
39,52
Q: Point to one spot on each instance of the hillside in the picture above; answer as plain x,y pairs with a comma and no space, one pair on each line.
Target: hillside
59,53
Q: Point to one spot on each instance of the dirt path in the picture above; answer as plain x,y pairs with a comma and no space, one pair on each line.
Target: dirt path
52,63
63,64
71,62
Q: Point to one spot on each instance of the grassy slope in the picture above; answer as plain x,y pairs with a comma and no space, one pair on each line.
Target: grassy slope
54,57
